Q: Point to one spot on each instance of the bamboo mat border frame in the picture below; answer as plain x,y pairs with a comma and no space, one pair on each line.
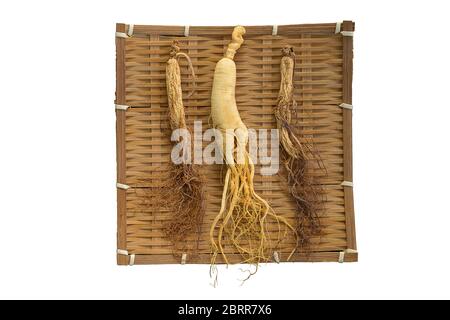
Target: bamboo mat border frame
145,30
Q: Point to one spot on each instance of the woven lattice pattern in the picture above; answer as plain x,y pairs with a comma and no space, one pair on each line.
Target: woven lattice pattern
318,92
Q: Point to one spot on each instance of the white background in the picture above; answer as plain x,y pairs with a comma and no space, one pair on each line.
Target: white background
57,152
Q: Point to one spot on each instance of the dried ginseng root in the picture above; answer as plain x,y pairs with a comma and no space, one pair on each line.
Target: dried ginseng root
183,192
241,222
298,157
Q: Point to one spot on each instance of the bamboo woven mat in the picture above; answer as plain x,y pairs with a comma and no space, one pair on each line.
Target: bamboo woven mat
323,78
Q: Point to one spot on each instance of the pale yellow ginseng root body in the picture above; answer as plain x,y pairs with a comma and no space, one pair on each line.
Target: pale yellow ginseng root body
241,222
183,192
298,156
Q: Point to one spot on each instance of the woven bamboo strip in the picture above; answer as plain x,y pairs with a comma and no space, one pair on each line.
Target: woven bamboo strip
120,140
144,30
347,120
314,257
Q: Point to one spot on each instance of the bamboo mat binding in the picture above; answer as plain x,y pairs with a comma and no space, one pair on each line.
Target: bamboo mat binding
323,80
